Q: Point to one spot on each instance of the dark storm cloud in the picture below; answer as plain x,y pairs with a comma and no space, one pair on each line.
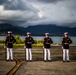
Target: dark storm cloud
16,5
18,10
34,12
3,1
50,1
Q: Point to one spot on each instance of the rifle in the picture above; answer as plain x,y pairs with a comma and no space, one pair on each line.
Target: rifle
43,53
5,52
25,51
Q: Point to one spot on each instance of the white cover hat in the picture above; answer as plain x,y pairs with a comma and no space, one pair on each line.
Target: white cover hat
28,33
46,33
9,32
65,33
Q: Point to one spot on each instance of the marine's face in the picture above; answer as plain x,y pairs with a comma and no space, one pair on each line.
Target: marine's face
65,35
28,35
9,34
47,36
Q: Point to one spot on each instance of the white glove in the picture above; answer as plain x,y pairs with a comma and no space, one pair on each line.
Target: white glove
47,43
66,43
43,47
4,46
24,46
29,42
62,47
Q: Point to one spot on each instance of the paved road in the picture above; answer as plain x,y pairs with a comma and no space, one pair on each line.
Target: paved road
6,67
38,67
47,68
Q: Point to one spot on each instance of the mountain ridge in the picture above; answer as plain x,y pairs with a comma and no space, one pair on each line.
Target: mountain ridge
37,29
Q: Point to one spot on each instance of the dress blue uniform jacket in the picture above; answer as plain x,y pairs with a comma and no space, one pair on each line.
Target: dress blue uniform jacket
47,42
9,41
66,42
28,42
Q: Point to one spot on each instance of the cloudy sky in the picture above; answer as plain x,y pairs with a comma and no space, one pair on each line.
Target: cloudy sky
35,12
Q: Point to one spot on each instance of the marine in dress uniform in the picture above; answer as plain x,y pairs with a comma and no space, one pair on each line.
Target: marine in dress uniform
65,46
28,45
47,42
9,45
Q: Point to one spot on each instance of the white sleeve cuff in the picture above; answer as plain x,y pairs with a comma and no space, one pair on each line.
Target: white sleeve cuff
24,46
4,46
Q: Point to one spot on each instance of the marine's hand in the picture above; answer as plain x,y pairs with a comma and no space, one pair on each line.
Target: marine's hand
4,46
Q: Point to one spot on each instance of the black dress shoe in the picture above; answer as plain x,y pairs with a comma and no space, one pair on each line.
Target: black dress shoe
67,60
12,60
30,60
49,60
7,60
45,60
63,61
